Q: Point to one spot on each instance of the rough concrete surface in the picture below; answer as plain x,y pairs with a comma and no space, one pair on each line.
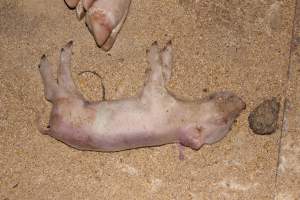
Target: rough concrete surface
242,46
288,171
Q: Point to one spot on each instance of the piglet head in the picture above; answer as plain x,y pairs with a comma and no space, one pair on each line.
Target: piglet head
99,25
219,119
228,103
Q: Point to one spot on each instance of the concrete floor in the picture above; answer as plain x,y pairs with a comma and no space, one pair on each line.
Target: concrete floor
248,47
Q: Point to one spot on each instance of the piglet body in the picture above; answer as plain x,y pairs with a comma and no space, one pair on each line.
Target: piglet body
152,118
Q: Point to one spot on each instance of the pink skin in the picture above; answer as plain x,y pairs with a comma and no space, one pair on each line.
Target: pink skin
104,18
152,118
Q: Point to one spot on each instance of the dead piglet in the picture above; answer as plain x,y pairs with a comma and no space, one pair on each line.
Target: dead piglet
152,118
104,18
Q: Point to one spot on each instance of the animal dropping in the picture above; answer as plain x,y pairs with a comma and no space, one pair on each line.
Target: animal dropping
153,117
263,119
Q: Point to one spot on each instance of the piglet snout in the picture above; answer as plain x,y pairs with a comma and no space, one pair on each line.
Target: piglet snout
228,103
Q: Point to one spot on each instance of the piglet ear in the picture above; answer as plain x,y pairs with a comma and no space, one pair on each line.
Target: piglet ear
72,3
99,25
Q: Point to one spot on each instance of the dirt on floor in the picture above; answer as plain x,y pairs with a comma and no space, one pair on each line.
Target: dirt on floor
241,46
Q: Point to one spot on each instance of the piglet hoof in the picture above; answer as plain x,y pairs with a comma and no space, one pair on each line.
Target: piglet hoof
169,43
43,62
67,48
69,44
155,43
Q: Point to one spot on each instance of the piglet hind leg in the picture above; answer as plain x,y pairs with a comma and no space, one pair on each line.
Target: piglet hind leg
50,84
64,86
52,90
70,111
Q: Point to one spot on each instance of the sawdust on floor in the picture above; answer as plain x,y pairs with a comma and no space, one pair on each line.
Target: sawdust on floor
242,46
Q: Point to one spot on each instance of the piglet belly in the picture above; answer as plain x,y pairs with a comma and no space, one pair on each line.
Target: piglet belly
117,141
131,133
